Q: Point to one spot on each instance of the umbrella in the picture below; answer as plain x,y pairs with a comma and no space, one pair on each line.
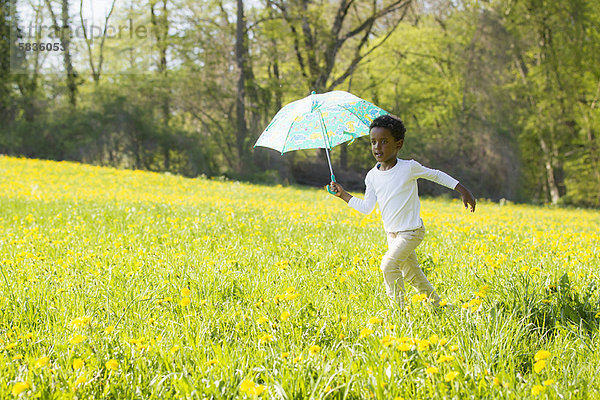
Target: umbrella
319,121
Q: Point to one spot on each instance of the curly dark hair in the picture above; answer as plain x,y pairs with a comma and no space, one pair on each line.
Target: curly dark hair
391,122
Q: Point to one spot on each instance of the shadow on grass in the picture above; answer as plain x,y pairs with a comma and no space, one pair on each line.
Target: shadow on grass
560,305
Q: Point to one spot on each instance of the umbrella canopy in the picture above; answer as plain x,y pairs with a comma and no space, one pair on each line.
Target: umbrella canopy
319,121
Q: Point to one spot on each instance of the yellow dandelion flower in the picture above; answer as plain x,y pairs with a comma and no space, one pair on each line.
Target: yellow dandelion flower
444,358
434,339
404,346
548,382
542,355
19,388
454,347
537,389
81,321
285,315
539,366
246,385
211,362
375,320
185,302
314,349
257,390
365,333
185,292
423,345
496,381
343,318
174,349
109,329
388,340
251,389
443,303
278,298
285,354
292,296
443,341
78,364
432,370
450,376
417,298
17,357
80,380
77,338
41,362
262,320
267,338
112,365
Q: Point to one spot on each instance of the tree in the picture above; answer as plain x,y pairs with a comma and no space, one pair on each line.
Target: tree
63,32
328,50
553,45
96,68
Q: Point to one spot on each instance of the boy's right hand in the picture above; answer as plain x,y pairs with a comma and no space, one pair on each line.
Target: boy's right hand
337,188
339,191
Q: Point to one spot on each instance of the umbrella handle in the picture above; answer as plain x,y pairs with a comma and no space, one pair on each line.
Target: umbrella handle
328,187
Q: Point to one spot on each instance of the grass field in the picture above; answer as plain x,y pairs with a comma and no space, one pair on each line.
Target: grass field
126,284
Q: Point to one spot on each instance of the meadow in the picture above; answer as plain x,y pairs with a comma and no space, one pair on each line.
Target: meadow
137,285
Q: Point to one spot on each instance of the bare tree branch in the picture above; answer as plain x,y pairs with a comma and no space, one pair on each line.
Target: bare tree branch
367,27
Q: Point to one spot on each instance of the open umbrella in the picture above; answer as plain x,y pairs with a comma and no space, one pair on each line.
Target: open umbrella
319,121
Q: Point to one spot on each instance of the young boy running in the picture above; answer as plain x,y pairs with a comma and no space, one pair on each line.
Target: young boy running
392,183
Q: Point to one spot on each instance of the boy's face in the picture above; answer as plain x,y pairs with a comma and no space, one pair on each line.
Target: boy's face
383,145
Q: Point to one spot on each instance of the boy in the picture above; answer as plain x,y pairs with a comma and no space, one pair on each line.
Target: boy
392,183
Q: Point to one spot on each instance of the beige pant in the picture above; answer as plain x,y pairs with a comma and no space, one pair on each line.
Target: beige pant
400,263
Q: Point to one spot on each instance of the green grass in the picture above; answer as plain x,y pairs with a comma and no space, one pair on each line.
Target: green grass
119,247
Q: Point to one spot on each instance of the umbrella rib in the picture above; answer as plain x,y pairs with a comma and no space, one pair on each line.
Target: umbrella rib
287,135
355,114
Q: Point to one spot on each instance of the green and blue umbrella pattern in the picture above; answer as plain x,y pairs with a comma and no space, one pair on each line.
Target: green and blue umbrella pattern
300,124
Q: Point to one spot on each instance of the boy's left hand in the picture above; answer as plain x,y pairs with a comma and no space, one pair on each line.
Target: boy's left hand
467,197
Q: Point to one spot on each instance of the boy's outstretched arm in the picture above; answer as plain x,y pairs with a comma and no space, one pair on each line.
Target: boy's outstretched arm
467,197
340,192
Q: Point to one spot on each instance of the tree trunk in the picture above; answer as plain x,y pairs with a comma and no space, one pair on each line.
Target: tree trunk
71,74
240,103
550,182
63,33
593,143
96,70
550,173
161,29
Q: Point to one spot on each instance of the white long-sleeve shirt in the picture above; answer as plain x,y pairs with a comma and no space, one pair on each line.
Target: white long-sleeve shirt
396,192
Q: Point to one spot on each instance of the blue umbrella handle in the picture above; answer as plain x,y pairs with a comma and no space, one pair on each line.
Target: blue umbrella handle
329,187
